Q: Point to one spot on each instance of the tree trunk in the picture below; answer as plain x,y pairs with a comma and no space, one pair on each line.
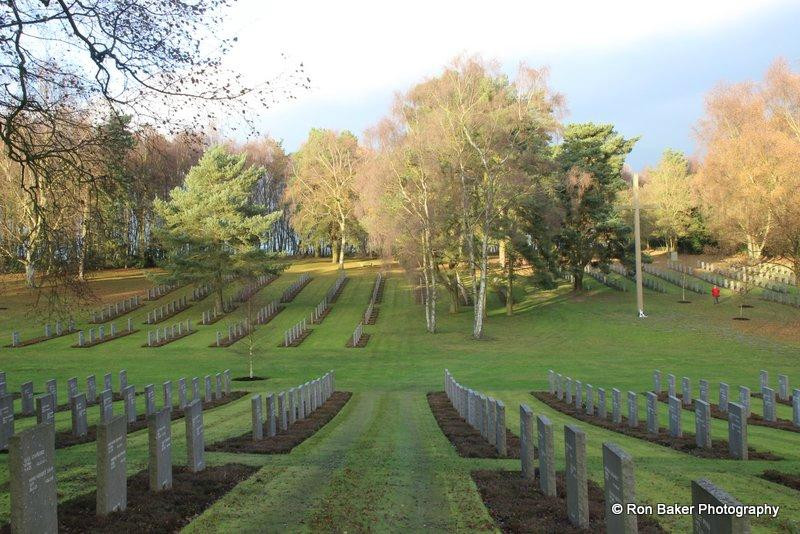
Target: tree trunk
30,270
577,280
501,251
82,244
480,302
509,287
334,251
342,246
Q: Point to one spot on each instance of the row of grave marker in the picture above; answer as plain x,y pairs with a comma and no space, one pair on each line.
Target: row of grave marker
44,406
112,311
162,336
674,279
49,332
779,285
101,336
247,292
167,310
482,412
618,480
291,292
286,407
582,395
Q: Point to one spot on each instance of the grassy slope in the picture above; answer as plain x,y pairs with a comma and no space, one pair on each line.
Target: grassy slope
382,462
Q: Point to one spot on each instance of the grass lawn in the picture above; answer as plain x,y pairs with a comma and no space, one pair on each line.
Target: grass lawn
382,463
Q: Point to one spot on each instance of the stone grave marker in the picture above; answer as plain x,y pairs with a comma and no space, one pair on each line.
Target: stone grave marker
796,407
168,394
601,403
737,431
209,392
686,391
181,393
768,397
129,398
783,387
619,485
27,398
704,390
652,412
149,400
52,388
675,429
763,379
91,389
72,387
195,388
291,399
702,424
32,480
271,422
671,385
112,482
526,441
560,387
616,411
159,431
704,492
723,397
568,391
589,399
744,400
45,409
633,410
195,436
578,395
575,472
218,389
257,418
78,408
500,429
6,420
492,421
657,381
547,466
107,382
123,379
106,403
282,410
227,376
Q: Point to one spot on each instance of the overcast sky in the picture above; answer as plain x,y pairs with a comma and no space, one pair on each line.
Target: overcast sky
642,67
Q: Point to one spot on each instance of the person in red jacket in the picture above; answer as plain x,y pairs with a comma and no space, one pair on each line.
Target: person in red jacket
715,294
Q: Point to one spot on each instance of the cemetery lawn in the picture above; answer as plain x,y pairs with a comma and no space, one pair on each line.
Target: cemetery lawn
382,463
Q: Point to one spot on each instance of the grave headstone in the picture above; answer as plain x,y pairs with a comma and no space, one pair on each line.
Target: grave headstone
706,522
702,422
78,408
45,409
167,386
195,436
195,388
578,395
526,449
568,391
123,379
492,421
601,403
91,389
149,400
218,389
657,381
618,476
796,407
616,410
106,403
589,399
671,385
159,431
575,473
257,418
704,390
209,392
675,429
112,483
52,388
107,383
783,387
72,387
763,379
633,410
547,466
282,410
129,399
32,480
737,431
272,425
500,429
27,398
723,397
652,412
686,391
181,393
744,400
6,420
768,398
559,387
